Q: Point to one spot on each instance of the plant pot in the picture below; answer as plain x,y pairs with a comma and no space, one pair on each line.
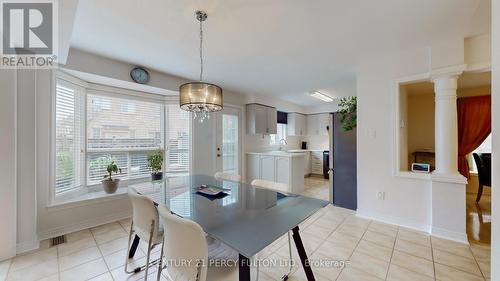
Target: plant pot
157,176
110,186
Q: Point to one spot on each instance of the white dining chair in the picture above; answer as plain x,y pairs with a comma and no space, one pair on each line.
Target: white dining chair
184,240
228,177
146,225
276,186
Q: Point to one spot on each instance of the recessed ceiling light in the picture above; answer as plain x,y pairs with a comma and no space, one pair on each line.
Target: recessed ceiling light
321,96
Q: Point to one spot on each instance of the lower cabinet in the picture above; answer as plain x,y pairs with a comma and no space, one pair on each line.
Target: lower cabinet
267,168
282,169
317,162
253,167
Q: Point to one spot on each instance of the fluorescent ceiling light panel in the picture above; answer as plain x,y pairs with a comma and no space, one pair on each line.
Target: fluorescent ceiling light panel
321,96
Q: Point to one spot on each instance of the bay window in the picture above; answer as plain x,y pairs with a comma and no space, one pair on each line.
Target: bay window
95,125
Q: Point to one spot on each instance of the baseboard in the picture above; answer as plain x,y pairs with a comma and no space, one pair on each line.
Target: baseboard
393,220
11,254
93,222
27,246
450,235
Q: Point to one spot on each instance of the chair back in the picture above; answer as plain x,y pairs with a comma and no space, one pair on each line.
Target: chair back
483,164
227,177
184,246
271,185
144,213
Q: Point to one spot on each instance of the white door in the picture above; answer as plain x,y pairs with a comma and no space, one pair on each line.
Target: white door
229,140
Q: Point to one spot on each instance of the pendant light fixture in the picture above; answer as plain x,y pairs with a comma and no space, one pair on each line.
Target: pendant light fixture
200,97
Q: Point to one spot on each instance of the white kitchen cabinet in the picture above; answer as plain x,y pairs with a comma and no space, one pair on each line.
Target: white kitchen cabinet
261,119
253,167
296,124
267,168
307,163
323,123
282,170
317,124
317,162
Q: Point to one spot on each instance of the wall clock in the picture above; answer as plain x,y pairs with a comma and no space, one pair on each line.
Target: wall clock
139,75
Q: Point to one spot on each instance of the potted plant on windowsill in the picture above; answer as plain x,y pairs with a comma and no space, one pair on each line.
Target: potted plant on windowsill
109,184
155,162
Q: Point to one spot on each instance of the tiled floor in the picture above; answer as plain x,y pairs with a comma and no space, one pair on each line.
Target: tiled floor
316,187
371,250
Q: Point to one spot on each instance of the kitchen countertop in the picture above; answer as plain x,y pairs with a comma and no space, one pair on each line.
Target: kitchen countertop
304,150
277,153
286,153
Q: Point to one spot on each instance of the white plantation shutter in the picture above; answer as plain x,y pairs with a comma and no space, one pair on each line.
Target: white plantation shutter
68,136
125,130
178,139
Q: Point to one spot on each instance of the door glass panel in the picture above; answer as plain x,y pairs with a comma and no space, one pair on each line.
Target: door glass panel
230,157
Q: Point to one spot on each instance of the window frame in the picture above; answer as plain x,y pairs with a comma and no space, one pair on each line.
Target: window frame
103,90
65,78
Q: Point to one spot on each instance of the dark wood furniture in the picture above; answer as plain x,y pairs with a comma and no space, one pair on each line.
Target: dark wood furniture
427,157
483,164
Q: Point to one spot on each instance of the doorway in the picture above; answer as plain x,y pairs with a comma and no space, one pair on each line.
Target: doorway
229,140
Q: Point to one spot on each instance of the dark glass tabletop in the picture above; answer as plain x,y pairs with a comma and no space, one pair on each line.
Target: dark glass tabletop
247,218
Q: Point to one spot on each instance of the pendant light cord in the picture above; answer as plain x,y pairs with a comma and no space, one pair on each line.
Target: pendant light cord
201,51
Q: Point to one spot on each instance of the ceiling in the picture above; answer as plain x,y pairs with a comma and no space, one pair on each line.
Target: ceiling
284,48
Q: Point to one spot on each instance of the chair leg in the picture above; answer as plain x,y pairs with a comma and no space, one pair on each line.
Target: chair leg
290,251
128,248
160,265
149,251
479,193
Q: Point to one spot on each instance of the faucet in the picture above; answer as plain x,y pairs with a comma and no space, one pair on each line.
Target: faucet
282,143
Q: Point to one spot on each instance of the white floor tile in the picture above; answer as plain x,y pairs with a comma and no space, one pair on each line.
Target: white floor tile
85,271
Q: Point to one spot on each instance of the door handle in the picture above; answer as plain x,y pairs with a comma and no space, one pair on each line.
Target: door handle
331,170
218,154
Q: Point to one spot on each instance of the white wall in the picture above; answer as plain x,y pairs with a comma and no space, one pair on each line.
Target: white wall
420,122
26,162
420,202
495,199
8,164
407,201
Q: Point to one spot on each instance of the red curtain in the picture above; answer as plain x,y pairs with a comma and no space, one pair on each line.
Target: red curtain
474,126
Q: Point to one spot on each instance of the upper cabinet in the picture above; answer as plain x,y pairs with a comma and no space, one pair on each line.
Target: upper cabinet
296,124
261,119
318,124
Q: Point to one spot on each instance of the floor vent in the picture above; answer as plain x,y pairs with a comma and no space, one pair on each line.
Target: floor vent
57,240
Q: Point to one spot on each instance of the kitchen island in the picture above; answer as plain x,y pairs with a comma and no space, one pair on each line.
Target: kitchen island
278,166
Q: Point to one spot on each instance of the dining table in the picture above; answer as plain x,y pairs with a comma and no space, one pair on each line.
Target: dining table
246,218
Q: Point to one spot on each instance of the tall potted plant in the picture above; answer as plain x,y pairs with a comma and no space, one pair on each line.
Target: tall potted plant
155,162
109,184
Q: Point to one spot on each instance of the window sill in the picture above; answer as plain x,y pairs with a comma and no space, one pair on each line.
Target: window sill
413,175
86,199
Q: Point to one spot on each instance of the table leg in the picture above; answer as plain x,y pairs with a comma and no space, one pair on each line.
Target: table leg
302,254
244,268
133,248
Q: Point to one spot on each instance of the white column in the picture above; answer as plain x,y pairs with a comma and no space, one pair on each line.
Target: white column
446,130
448,185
